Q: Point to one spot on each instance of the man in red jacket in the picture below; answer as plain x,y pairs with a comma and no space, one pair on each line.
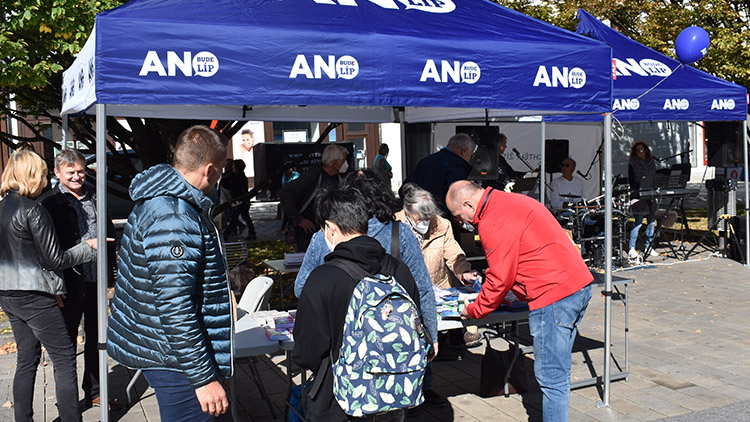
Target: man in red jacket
527,251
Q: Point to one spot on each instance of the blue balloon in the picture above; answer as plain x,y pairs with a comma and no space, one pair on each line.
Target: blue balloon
692,44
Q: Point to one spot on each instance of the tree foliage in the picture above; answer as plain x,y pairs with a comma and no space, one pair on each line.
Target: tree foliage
656,24
38,40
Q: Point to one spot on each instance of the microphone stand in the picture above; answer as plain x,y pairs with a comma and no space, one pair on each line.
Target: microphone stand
597,156
661,160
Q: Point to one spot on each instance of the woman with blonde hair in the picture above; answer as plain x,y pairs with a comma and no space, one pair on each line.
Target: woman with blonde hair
30,288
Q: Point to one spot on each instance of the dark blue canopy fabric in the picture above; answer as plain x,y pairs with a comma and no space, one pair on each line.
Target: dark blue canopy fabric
687,94
356,53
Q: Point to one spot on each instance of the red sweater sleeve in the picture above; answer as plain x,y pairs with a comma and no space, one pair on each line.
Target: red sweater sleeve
500,276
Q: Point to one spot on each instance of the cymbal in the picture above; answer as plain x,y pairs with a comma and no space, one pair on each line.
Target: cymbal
568,195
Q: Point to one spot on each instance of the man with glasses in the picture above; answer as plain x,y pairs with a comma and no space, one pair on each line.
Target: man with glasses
437,171
566,189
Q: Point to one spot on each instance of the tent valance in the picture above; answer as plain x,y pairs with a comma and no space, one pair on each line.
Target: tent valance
348,60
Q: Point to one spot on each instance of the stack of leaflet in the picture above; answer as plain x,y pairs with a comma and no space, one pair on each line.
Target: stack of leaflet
293,259
279,325
450,302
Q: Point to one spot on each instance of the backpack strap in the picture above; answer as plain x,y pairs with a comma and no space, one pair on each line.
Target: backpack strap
395,243
312,195
353,270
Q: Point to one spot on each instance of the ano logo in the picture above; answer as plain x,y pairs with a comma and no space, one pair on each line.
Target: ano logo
203,64
346,67
432,6
627,104
723,104
468,72
676,104
560,77
645,67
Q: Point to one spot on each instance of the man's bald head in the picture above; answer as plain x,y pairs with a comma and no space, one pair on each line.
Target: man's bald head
462,199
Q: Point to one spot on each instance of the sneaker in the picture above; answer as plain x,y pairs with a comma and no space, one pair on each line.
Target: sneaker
653,253
434,399
632,253
472,339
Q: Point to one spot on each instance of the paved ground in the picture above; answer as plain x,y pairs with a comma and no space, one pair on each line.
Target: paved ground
689,357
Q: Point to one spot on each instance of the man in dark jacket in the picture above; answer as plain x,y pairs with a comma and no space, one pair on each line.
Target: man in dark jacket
238,186
437,171
171,312
297,196
73,211
323,304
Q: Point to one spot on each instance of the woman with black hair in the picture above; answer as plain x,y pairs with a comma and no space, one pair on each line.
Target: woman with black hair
640,164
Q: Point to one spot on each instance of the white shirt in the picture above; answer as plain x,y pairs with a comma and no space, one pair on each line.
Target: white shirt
563,186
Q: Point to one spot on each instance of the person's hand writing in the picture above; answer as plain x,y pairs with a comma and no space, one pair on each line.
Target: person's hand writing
307,225
213,398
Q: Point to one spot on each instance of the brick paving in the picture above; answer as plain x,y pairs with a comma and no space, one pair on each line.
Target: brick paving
689,357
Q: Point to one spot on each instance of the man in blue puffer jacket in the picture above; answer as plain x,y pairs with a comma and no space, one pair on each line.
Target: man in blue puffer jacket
171,312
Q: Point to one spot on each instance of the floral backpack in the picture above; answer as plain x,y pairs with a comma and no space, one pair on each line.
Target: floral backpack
380,364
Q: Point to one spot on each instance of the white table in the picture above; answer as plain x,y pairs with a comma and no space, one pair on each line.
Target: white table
281,269
250,341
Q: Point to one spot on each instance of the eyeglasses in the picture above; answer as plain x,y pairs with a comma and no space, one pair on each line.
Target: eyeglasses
566,165
639,150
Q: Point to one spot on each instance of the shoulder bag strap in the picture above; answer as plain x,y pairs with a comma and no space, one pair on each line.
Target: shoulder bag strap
395,241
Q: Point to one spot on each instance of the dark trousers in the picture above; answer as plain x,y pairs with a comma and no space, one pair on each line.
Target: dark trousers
176,397
243,211
35,317
80,302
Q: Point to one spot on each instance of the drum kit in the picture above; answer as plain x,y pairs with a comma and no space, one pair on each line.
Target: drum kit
585,221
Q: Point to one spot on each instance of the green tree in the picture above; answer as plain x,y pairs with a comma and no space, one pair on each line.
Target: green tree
656,24
38,40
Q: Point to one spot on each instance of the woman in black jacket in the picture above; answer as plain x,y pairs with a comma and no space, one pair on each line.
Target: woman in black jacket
30,288
641,164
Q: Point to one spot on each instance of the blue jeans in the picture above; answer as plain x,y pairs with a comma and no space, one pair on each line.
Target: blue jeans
176,397
651,221
35,317
553,329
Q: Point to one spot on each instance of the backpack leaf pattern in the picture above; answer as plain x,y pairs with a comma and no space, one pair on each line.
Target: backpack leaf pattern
380,366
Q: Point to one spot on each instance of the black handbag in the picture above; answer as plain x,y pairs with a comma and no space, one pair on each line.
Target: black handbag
497,365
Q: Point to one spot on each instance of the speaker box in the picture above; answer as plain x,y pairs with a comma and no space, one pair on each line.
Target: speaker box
724,143
737,250
555,151
484,161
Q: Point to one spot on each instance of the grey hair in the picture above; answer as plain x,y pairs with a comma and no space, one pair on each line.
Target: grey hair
68,157
331,154
461,141
419,202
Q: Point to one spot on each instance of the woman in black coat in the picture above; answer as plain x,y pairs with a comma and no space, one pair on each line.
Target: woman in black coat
640,164
30,258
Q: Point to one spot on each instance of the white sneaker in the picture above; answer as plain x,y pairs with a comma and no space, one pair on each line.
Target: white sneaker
632,253
653,253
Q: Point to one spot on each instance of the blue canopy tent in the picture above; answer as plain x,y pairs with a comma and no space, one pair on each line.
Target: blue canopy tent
327,60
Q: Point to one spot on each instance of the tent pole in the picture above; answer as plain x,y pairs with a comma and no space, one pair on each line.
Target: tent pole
402,128
747,195
607,258
64,130
542,167
101,255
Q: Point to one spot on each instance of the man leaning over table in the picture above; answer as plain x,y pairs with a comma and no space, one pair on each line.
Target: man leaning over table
527,251
171,312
